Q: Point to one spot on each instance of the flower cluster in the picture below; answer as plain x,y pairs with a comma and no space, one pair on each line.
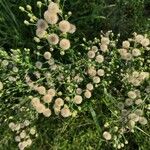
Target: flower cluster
136,78
23,133
51,28
128,51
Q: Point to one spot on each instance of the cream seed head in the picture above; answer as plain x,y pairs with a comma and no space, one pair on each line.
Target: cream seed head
22,125
94,48
96,79
78,78
15,69
138,101
133,117
53,8
41,90
124,112
52,92
12,126
51,62
65,112
144,75
56,109
132,94
92,72
100,72
105,40
147,89
47,112
103,47
64,26
72,29
77,99
127,56
90,86
26,123
14,79
35,101
126,44
40,33
53,39
64,44
138,112
17,127
79,91
135,82
54,67
91,54
17,139
59,102
139,38
145,42
138,93
122,51
38,64
107,135
40,108
120,105
37,74
135,74
51,18
42,24
143,121
136,52
29,142
99,58
131,124
87,94
47,98
24,144
4,63
21,146
129,102
47,55
23,134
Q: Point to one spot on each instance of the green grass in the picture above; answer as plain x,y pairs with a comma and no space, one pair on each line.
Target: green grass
90,16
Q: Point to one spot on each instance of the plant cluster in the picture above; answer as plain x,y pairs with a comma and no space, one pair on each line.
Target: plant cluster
63,75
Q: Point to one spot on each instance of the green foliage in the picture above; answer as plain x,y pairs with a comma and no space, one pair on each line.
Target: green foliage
121,16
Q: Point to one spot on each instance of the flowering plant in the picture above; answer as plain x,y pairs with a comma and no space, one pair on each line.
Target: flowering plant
65,77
